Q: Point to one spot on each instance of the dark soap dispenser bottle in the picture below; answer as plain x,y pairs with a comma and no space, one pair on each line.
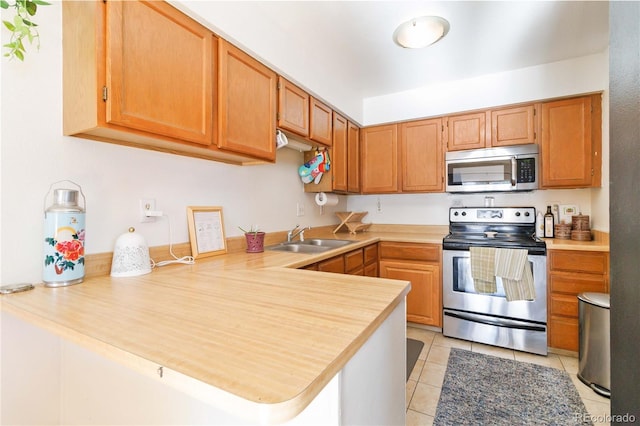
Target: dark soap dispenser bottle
548,223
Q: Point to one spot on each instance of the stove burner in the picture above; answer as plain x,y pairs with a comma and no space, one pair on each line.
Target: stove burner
511,228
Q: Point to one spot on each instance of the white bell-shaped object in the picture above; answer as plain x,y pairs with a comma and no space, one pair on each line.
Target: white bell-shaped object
130,256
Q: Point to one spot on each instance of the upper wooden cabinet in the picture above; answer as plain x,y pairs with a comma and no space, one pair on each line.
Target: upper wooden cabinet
492,128
571,142
293,108
246,104
320,122
422,156
149,45
302,114
340,153
143,74
343,175
513,126
353,158
466,131
379,159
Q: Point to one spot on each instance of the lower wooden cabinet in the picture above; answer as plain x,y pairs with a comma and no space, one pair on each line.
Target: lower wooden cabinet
421,265
335,264
371,260
572,273
418,263
362,261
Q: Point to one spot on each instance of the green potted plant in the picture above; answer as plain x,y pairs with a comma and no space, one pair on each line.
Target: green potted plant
21,26
255,239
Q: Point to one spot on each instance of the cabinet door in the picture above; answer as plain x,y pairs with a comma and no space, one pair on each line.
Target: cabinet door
466,131
320,122
160,71
513,126
247,104
567,147
371,270
335,264
422,156
379,159
424,301
572,273
353,157
293,108
371,260
585,262
410,251
339,154
353,261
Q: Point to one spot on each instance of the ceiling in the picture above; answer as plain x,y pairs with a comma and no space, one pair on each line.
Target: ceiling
350,42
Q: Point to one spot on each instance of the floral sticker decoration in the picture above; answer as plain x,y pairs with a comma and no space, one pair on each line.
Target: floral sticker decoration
67,253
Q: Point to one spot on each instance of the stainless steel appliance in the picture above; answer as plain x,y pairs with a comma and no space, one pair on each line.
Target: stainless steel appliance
594,367
490,318
512,168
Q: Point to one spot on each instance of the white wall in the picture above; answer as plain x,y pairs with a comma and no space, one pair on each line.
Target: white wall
580,75
241,23
433,209
34,154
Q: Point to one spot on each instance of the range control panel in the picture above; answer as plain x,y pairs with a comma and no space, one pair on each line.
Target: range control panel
492,215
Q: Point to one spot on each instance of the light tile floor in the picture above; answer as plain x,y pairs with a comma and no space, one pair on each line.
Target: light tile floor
424,385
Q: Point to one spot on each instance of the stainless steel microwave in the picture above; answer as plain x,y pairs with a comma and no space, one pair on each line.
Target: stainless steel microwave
511,168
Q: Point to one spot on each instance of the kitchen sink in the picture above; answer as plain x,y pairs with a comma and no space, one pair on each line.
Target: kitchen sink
314,245
322,242
298,248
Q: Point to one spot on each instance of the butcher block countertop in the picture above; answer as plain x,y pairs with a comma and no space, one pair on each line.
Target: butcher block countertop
244,331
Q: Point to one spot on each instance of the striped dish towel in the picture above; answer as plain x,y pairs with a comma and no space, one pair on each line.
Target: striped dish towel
513,267
483,266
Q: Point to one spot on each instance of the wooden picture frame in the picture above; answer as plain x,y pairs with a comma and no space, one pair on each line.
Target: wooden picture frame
206,231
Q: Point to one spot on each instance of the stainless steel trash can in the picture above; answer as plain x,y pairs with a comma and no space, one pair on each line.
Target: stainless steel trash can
594,368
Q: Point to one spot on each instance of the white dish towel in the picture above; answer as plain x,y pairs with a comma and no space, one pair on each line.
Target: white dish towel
513,267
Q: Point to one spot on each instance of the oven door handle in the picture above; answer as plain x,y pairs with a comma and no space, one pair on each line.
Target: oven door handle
499,322
514,170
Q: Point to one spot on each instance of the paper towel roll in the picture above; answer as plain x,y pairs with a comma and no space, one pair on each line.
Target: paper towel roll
323,199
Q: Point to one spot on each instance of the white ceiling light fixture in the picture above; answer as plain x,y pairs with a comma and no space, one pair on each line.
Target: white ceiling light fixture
421,32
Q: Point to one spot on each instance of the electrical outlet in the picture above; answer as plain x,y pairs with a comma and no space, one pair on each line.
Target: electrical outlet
299,209
147,204
379,205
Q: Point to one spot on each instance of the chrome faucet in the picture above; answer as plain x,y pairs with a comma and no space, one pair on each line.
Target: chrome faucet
293,233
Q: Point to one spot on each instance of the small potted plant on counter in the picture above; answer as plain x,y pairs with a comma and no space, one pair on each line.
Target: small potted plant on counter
255,239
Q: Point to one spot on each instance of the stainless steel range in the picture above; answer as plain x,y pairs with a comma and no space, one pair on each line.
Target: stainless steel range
488,317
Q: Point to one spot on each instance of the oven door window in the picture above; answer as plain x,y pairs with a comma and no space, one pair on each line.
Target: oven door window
480,173
463,281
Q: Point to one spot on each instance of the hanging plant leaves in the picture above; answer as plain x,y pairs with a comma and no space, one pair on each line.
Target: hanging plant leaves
22,26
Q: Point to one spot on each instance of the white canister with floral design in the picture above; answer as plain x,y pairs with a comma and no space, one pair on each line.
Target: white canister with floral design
64,239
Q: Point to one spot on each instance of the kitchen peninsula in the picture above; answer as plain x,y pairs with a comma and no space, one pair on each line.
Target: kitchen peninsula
259,345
